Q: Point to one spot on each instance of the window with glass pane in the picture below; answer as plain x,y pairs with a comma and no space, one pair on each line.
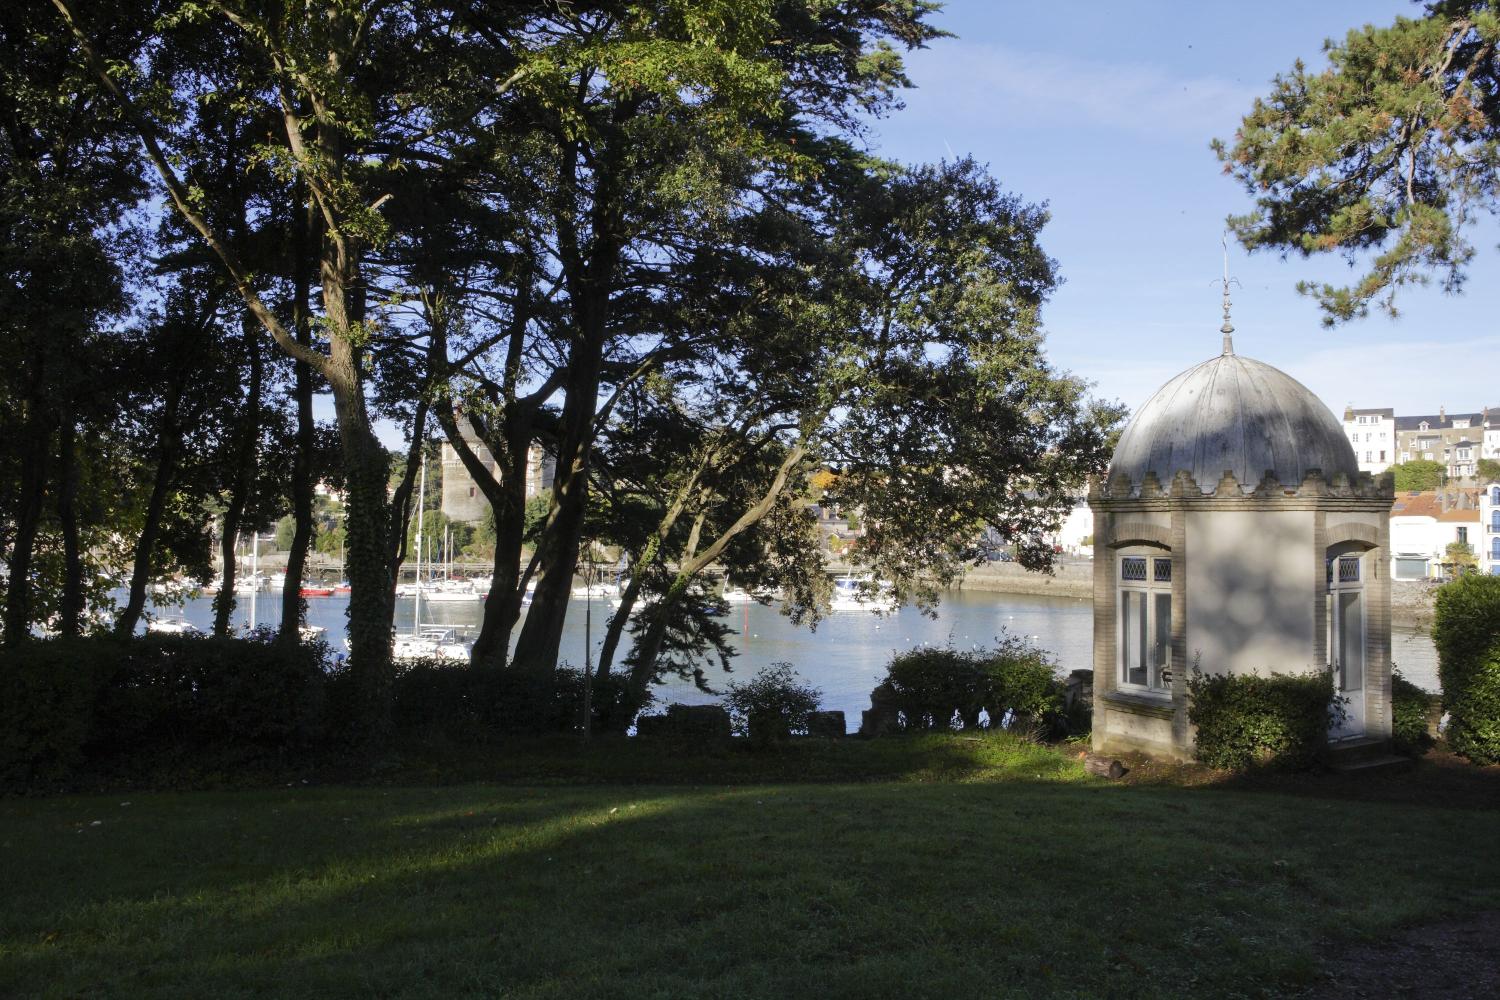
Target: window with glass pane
1161,659
1351,641
1146,622
1135,637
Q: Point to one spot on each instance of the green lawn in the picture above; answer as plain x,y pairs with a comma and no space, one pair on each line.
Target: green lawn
1025,878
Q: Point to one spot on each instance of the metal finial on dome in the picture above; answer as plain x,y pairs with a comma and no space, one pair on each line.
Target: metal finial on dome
1228,328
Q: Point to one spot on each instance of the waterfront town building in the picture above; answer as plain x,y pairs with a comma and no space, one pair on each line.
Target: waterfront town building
463,500
1381,439
1454,439
1372,433
1235,533
1425,523
1489,529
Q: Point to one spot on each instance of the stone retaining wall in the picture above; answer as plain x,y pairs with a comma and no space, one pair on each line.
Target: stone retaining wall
1070,579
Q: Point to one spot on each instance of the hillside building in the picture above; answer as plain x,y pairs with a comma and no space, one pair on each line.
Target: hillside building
1423,525
1372,433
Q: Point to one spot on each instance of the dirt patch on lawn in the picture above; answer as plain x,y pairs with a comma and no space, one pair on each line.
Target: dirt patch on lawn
1440,778
1452,960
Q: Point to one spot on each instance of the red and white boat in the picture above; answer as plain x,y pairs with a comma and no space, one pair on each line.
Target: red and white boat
316,591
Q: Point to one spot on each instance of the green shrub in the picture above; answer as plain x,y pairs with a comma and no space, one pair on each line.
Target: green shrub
237,699
1466,631
773,704
1014,681
48,691
1409,705
126,704
928,685
1247,721
1020,680
440,697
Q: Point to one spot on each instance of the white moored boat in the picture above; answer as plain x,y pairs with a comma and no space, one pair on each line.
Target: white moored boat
450,592
171,626
597,592
856,594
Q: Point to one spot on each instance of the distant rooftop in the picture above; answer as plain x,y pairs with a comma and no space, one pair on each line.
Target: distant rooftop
1437,421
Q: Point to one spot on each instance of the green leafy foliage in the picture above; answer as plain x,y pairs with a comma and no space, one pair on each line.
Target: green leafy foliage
48,693
1409,708
66,705
1387,155
773,704
1418,474
1466,631
465,705
1014,681
1246,720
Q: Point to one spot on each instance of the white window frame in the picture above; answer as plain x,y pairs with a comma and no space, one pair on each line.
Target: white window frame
1159,672
1336,586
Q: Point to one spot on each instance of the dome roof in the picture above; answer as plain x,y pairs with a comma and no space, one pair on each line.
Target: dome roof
1237,414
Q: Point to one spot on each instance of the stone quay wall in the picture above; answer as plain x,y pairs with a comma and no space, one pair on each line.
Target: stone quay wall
1074,578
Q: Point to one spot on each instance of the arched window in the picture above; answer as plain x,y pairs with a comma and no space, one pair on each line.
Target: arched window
1495,549
1495,495
1145,613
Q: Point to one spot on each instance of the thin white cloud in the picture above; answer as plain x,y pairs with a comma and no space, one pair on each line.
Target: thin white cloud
970,84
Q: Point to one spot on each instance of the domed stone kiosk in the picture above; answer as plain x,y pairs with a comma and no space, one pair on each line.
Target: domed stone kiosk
1235,533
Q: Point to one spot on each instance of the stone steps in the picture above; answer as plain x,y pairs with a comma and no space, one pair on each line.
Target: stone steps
1364,755
1388,763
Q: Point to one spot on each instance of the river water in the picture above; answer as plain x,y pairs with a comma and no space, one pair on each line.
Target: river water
845,657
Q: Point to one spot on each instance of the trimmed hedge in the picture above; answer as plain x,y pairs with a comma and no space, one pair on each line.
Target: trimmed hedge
459,703
48,694
1245,720
1466,631
1014,681
1409,705
163,707
214,702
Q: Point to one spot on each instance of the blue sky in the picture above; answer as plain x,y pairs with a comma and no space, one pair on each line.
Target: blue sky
1105,111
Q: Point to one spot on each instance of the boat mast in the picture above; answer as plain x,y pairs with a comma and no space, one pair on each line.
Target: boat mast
416,609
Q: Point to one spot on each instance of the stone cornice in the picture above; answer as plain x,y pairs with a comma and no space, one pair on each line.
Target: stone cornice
1365,493
1138,505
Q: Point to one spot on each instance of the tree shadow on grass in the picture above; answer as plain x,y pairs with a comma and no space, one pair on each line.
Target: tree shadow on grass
1022,888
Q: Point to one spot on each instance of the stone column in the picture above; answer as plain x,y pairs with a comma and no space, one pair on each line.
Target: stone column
1320,589
1104,617
1182,734
1378,721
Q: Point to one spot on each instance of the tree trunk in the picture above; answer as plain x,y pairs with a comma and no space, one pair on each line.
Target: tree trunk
145,546
32,492
367,559
293,605
502,607
621,617
557,549
648,648
70,609
691,563
242,492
